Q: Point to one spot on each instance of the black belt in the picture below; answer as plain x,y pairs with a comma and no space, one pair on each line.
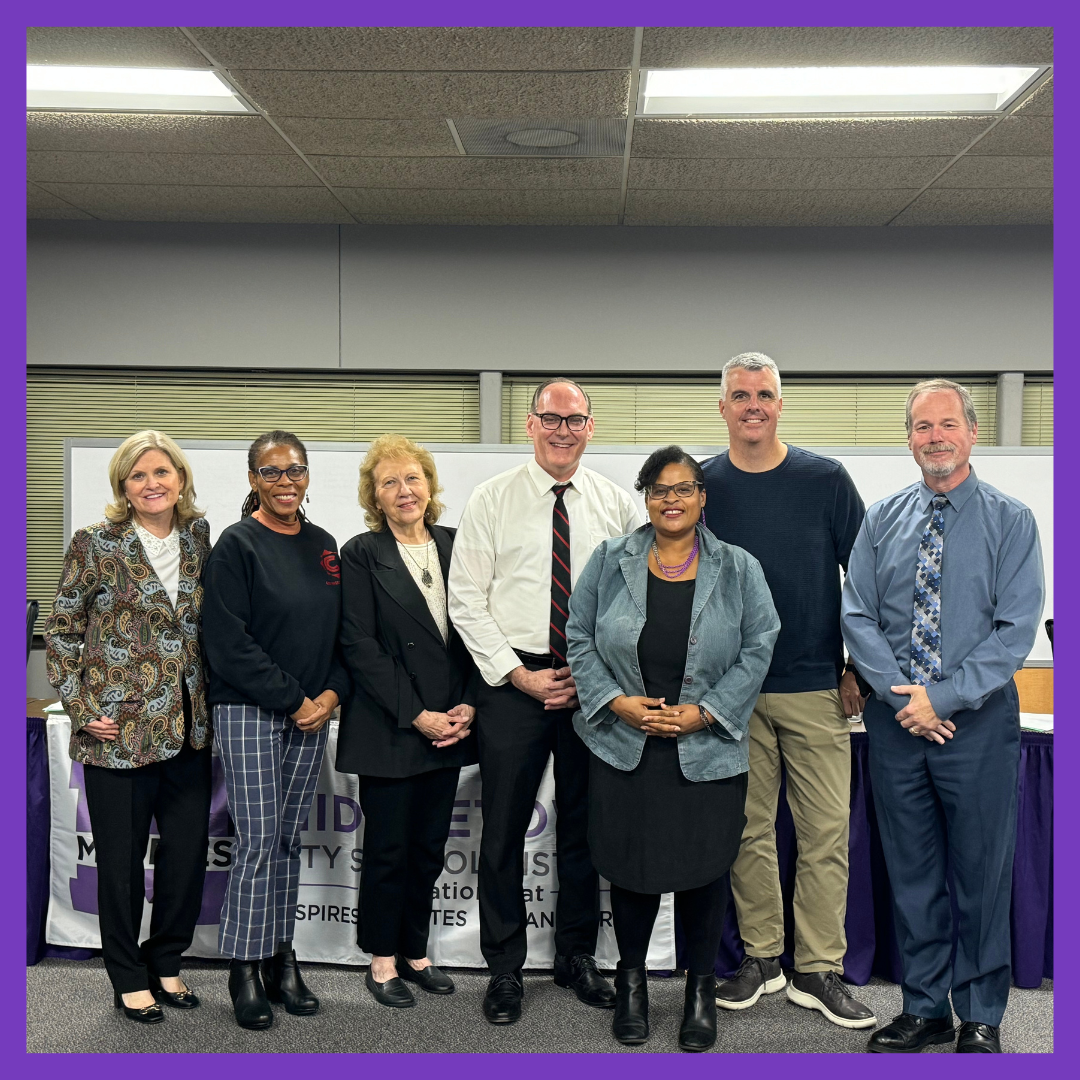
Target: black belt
539,660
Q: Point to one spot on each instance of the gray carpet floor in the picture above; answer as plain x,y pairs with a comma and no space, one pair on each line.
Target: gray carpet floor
69,1010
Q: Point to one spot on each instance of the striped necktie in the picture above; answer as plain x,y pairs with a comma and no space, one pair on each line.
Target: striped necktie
926,626
560,574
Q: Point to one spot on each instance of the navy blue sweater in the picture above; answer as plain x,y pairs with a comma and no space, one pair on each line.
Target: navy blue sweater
799,521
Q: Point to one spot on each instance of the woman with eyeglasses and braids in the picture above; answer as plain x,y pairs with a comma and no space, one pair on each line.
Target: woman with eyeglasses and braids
271,619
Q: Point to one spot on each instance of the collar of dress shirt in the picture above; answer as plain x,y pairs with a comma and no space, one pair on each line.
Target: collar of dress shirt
543,481
957,497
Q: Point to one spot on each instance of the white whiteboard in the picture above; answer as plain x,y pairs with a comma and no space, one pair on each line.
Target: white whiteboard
220,473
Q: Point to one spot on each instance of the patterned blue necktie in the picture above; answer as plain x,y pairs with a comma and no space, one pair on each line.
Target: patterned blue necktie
926,627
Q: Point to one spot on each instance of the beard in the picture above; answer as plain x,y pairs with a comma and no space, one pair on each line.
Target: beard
937,468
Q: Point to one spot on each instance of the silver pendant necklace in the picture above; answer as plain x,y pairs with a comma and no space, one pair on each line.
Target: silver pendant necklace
425,573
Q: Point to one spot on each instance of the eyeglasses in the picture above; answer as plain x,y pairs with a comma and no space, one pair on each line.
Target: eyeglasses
272,474
553,421
684,490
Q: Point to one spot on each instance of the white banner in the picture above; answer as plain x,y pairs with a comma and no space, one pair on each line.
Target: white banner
331,857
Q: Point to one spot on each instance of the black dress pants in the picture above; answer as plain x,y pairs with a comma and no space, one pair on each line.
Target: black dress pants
406,823
122,803
701,912
515,736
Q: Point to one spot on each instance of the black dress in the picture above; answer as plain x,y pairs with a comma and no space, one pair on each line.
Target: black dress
650,829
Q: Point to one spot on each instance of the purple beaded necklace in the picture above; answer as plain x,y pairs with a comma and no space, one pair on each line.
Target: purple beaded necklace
673,571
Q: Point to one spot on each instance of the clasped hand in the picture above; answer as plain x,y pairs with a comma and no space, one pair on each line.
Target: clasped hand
553,686
445,728
919,718
312,715
667,721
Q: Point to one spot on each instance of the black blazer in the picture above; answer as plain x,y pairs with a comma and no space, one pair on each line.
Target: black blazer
398,663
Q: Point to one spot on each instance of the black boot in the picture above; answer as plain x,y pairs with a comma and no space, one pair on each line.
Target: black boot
698,1031
285,984
630,1024
249,998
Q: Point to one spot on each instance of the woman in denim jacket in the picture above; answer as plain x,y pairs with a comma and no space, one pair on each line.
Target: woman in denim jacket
669,639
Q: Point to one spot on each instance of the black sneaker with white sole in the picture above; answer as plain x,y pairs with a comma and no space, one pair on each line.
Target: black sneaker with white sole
826,992
757,975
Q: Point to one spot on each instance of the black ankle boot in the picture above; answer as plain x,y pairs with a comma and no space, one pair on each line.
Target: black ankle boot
630,1024
285,985
249,999
698,1031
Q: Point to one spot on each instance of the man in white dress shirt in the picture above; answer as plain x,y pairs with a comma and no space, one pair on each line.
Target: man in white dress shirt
525,536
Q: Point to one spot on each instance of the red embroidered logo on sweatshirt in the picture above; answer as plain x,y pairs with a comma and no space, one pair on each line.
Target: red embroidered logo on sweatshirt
330,565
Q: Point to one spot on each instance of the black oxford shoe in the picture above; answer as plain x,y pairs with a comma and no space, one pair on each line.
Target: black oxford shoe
630,1024
908,1034
978,1039
250,1003
430,978
392,993
285,985
581,975
502,1002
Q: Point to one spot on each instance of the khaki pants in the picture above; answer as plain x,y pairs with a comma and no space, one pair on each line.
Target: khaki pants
811,736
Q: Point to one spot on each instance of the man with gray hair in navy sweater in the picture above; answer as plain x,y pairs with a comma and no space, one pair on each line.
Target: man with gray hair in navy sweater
798,514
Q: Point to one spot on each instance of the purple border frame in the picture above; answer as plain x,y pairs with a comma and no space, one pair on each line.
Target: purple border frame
951,13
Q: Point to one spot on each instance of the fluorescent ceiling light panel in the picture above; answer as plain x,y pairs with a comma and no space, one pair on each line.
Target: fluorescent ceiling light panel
116,89
831,91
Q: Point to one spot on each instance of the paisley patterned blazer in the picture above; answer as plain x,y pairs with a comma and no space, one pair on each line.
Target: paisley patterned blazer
115,647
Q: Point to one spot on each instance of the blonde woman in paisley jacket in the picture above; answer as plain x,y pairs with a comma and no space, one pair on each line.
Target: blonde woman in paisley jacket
123,651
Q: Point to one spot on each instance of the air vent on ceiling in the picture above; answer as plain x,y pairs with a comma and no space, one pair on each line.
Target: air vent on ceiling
541,138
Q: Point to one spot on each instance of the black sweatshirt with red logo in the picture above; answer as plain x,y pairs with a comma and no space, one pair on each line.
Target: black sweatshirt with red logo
270,617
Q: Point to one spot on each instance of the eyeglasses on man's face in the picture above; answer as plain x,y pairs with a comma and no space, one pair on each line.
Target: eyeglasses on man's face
272,474
683,490
553,421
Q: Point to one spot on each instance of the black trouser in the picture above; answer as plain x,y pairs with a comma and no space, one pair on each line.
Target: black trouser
406,823
701,912
516,735
121,803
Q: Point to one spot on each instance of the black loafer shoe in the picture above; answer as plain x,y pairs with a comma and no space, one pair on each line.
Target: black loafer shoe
285,985
581,975
908,1034
502,1002
757,975
250,1003
826,992
430,978
978,1039
183,999
630,1024
393,992
148,1014
698,1030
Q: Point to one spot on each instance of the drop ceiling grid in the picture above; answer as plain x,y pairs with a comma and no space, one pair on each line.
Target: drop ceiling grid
379,169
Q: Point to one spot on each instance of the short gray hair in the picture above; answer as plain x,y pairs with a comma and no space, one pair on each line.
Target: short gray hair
930,386
551,382
750,361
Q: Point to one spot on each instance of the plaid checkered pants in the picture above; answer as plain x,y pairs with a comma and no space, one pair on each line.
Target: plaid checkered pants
271,771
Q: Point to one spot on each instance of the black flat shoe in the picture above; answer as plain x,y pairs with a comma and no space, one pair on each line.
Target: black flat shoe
908,1034
183,999
250,1003
698,1030
630,1024
430,978
285,985
393,992
580,974
502,1002
978,1039
148,1014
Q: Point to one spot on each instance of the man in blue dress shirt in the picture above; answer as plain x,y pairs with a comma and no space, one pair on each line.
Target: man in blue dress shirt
940,608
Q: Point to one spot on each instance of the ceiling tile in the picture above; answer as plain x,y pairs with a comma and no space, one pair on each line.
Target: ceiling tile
494,219
1041,103
758,46
232,170
764,207
915,137
370,138
360,48
134,202
439,202
999,172
748,174
152,133
1031,206
1027,136
111,46
40,200
61,212
414,95
461,172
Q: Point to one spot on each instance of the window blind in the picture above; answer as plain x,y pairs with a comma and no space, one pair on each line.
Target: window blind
1038,429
